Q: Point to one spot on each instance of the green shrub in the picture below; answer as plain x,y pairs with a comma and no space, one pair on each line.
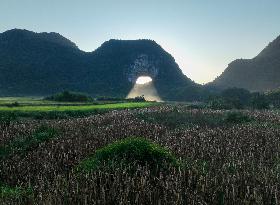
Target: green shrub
259,101
67,96
219,103
237,97
130,151
14,104
273,98
237,117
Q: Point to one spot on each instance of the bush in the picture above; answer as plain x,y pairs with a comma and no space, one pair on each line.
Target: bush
140,98
67,96
273,98
259,101
218,103
236,97
14,104
130,151
135,99
237,117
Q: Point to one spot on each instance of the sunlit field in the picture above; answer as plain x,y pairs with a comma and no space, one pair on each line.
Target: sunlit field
196,156
78,107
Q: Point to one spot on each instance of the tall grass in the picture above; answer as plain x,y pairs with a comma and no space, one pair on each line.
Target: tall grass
236,163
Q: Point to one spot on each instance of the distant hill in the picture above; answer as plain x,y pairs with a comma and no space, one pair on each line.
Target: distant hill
40,64
261,73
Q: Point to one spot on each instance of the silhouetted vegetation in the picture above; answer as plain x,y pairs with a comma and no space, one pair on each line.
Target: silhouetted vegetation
260,101
14,104
236,97
239,98
273,98
137,99
116,99
68,96
237,117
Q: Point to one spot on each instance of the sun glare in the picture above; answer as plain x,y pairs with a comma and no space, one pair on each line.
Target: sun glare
143,80
144,86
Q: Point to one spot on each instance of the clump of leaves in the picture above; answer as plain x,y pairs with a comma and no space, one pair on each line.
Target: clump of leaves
130,151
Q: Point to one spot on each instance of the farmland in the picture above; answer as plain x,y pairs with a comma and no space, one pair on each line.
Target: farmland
222,156
34,108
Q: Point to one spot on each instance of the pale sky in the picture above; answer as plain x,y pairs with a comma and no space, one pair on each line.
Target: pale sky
203,36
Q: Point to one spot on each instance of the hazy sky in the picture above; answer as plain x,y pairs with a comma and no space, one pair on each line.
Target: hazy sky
204,36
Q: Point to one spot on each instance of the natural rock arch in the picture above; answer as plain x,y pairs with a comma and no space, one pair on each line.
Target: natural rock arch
142,66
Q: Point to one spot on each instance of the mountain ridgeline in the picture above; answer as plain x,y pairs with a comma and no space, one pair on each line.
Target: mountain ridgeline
261,73
40,64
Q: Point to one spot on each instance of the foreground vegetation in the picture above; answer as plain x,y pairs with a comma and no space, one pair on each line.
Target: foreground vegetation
129,152
214,157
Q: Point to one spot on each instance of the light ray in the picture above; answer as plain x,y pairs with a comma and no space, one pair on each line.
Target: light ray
144,86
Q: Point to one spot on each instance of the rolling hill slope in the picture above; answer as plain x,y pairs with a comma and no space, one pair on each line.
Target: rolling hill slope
261,73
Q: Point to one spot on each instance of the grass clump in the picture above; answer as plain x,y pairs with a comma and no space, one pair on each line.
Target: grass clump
130,151
13,192
23,144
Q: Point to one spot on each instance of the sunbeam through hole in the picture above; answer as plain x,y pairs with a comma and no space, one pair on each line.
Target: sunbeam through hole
144,86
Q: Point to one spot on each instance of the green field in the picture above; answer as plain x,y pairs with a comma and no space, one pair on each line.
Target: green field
37,101
23,100
40,109
59,108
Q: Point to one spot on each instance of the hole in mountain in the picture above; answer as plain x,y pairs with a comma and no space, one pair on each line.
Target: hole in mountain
144,85
143,80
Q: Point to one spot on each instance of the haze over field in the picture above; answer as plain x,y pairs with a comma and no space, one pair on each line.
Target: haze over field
203,36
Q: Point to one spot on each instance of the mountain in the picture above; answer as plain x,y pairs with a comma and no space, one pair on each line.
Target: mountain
261,73
40,64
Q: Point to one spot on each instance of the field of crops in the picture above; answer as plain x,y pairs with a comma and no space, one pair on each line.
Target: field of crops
224,157
41,109
48,108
